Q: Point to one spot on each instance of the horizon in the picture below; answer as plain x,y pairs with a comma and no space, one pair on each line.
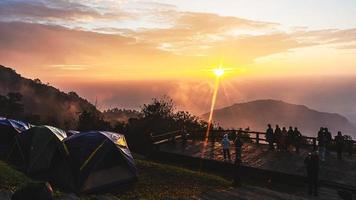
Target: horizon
131,51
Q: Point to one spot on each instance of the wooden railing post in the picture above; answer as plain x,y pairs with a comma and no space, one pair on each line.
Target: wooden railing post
257,138
314,143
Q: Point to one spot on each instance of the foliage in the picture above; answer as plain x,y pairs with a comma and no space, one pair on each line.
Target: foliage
11,106
91,120
157,117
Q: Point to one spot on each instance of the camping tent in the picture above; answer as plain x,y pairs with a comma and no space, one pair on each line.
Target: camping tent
71,132
36,149
9,128
96,161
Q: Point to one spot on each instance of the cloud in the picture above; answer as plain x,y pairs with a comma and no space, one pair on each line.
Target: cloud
50,11
328,36
128,54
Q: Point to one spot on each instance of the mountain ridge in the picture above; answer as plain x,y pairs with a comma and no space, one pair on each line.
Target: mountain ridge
43,102
258,113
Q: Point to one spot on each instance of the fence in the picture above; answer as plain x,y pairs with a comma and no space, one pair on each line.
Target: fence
215,135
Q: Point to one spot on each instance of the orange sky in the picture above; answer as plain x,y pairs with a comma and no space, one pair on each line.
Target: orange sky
73,44
150,41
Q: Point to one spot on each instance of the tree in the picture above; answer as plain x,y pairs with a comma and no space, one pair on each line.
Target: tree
159,108
91,120
11,106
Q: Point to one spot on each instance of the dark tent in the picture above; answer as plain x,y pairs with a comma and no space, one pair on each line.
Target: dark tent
71,132
9,128
96,161
36,149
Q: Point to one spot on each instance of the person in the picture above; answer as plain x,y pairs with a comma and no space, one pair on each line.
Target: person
269,136
328,140
349,144
238,147
277,136
322,144
238,151
312,165
290,137
283,139
339,142
297,139
226,147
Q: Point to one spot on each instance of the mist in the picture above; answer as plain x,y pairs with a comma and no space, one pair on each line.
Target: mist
327,94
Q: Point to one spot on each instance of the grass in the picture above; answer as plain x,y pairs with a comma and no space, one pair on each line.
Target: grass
160,181
11,179
155,181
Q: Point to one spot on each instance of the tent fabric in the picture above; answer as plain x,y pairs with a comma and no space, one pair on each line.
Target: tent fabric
97,160
36,149
72,132
18,126
9,128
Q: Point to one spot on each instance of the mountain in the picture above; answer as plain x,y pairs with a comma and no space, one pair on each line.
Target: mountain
257,114
42,101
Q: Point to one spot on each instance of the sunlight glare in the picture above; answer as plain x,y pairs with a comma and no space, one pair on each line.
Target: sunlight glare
219,72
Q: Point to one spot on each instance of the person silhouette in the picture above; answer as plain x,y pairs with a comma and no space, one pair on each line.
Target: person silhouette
238,152
283,139
312,165
339,141
322,140
269,136
278,134
225,142
297,139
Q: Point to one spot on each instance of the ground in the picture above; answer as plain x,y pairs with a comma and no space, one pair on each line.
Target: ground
258,156
156,181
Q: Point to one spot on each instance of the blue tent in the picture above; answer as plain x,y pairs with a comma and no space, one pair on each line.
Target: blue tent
72,132
9,128
96,160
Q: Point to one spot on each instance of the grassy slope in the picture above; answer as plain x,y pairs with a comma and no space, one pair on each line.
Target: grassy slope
156,181
11,179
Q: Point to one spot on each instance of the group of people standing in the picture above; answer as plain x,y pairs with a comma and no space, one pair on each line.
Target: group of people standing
325,141
283,138
225,142
311,162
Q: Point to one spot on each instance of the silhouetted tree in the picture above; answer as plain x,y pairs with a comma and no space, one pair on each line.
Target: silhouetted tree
91,120
11,106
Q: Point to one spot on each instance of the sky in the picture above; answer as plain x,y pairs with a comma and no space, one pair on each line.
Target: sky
124,53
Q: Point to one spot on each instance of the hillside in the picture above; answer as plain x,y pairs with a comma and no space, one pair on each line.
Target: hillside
43,102
156,181
257,114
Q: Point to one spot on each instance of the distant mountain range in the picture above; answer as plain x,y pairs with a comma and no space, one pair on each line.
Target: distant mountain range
257,114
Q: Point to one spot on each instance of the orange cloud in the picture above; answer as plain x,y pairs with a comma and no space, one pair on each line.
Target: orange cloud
55,11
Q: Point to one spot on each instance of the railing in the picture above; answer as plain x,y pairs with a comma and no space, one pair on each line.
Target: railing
257,137
166,137
214,135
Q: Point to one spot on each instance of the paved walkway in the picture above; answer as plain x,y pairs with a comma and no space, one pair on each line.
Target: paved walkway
258,193
258,156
